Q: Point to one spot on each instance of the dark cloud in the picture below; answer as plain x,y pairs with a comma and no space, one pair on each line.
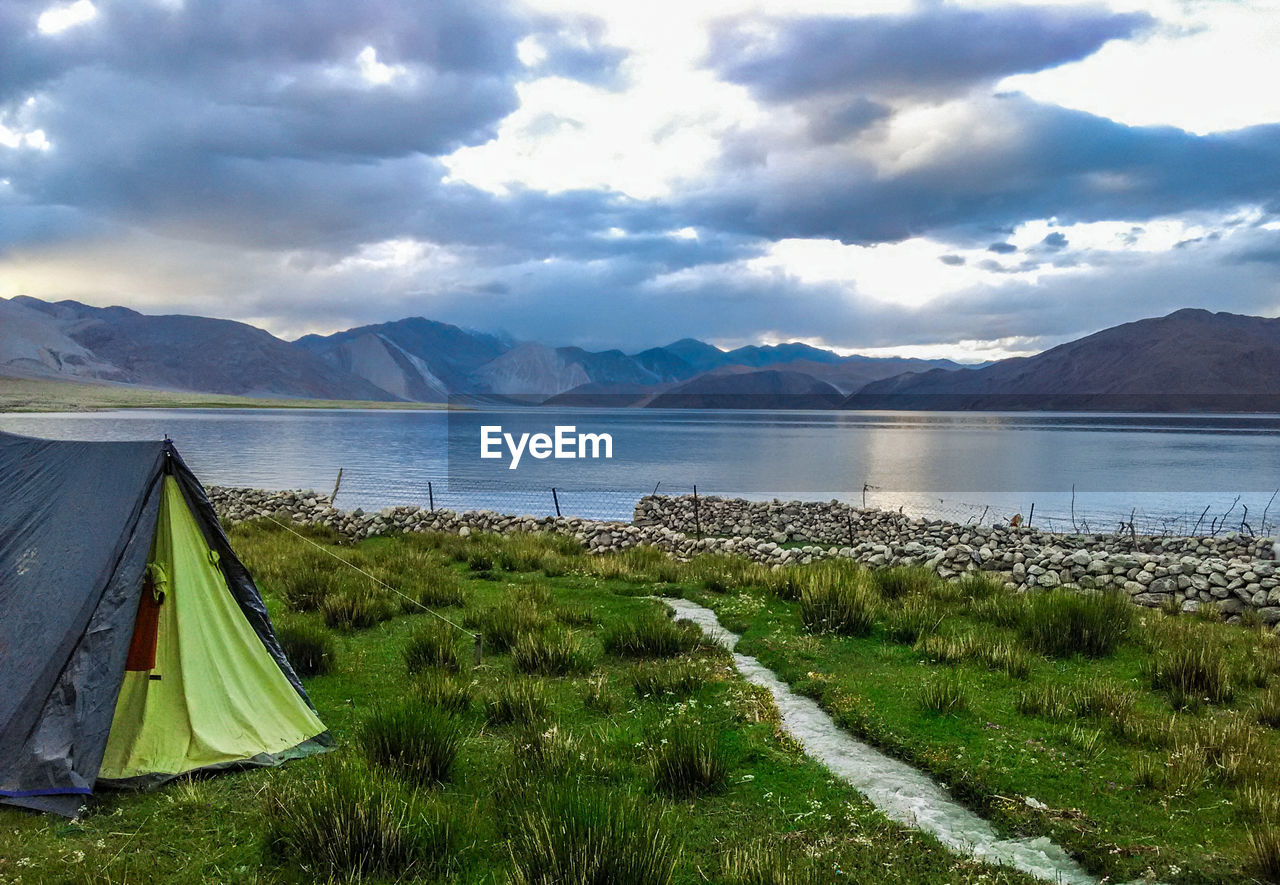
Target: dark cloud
1054,241
836,121
935,50
1026,160
953,260
1002,248
576,48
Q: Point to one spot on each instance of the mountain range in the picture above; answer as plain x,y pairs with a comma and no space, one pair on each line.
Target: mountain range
1191,359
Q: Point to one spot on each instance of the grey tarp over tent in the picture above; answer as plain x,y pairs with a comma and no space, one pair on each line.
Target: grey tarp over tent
77,521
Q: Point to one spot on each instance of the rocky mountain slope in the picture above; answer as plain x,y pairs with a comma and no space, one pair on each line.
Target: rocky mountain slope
72,341
1189,360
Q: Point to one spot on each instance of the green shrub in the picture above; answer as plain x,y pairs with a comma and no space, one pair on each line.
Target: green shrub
1061,623
943,695
416,743
433,644
900,581
309,647
689,761
835,602
520,701
444,690
651,634
346,824
580,835
504,623
552,653
680,679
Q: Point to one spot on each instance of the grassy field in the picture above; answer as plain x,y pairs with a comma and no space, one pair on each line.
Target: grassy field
600,742
32,395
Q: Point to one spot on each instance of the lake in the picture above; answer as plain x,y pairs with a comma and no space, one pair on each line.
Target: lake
1164,469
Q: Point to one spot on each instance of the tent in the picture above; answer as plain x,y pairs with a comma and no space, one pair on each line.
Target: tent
134,646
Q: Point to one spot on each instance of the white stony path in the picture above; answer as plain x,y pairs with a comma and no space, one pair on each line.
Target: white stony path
900,791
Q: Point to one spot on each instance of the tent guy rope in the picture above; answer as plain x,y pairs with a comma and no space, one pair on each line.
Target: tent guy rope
371,577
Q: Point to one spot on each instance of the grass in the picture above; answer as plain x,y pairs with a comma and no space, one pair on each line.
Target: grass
522,702
556,778
679,679
446,691
309,647
1190,670
580,835
412,742
944,695
838,600
555,653
502,625
1061,623
689,760
763,863
651,635
433,644
344,823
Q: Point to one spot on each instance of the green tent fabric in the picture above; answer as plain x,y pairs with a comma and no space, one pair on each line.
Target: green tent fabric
216,696
100,681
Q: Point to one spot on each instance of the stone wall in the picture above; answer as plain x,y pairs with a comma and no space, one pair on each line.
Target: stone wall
1235,573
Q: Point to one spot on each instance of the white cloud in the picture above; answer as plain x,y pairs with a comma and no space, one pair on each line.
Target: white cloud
1212,66
57,19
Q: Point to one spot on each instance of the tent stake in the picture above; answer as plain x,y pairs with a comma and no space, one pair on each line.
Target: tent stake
479,648
336,486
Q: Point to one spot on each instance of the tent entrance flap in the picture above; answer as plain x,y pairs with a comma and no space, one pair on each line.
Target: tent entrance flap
221,698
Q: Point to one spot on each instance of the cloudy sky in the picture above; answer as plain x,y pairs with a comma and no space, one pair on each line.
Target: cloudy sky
923,178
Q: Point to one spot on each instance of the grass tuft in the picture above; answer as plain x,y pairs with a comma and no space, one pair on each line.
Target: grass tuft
416,743
1190,669
580,835
446,691
433,644
309,647
760,863
902,581
347,824
689,761
650,635
1062,623
503,624
358,607
838,601
521,702
553,653
944,695
679,679
1264,852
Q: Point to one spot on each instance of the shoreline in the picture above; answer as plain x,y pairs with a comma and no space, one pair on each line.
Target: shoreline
1236,577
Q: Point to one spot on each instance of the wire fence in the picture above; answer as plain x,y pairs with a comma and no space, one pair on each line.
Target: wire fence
373,490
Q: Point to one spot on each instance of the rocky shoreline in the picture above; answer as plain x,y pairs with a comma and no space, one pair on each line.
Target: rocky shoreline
1233,572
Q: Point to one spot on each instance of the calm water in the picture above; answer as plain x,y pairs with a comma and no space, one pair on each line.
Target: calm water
962,466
